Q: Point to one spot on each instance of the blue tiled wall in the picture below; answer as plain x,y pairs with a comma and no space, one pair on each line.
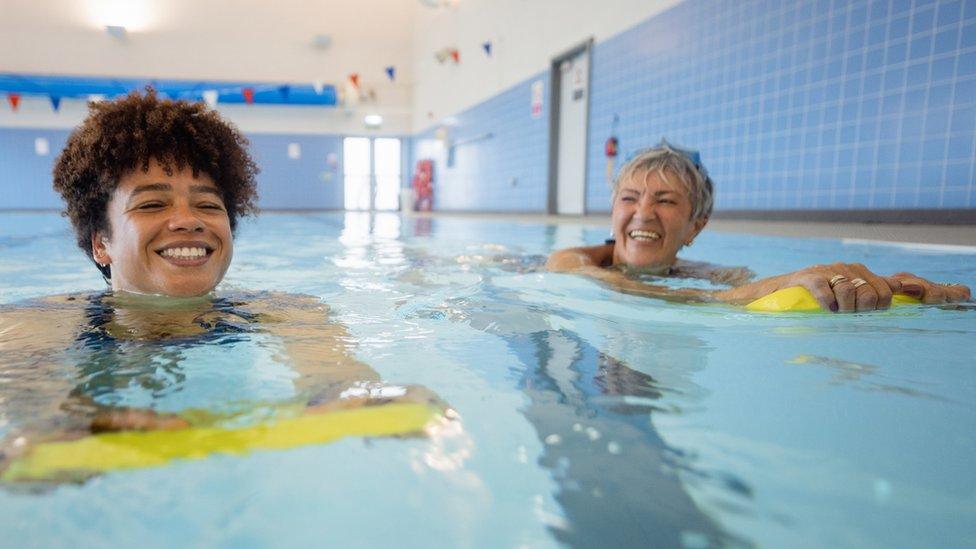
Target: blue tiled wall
25,177
809,104
812,104
500,156
307,183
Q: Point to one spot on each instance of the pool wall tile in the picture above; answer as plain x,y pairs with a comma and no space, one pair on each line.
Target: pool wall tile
492,157
802,105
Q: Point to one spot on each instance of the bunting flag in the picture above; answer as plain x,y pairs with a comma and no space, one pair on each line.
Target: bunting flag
318,86
248,95
56,103
284,91
487,47
14,100
354,77
391,73
442,54
456,55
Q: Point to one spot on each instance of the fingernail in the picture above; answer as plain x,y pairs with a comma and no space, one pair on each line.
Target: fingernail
833,307
913,290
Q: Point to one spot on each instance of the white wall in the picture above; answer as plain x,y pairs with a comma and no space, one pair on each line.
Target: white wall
525,36
251,40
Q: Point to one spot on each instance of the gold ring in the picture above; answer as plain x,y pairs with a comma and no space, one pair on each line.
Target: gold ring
835,280
858,282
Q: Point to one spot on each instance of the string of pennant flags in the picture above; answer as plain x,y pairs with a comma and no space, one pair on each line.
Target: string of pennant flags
57,88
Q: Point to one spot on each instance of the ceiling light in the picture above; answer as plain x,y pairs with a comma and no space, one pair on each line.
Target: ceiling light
129,15
373,120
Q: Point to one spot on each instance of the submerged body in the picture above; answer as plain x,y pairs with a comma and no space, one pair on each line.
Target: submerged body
79,364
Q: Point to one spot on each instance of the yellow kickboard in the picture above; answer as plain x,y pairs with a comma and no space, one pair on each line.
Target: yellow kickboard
799,299
136,449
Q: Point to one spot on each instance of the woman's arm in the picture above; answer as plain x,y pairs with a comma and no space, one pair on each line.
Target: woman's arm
321,351
847,294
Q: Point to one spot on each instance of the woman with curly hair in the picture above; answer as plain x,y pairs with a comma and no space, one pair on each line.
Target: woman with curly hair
154,189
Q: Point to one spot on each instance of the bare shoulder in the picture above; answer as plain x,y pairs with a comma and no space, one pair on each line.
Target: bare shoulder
42,322
571,259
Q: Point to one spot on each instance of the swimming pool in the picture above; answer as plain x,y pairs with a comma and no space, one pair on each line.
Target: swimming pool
587,417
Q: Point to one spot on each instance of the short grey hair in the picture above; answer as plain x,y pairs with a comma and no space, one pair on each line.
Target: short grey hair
666,158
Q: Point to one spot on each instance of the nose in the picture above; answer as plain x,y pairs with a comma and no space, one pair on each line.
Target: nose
645,208
184,219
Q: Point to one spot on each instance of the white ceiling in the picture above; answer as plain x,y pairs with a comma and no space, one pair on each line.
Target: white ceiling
259,40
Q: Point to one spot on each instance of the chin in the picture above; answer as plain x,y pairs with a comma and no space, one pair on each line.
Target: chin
188,289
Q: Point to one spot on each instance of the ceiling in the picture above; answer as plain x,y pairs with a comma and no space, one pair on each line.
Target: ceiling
242,40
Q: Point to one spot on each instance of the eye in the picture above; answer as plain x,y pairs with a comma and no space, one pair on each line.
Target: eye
628,199
211,206
666,201
149,205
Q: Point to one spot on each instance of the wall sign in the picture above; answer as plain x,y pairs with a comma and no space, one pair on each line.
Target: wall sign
537,99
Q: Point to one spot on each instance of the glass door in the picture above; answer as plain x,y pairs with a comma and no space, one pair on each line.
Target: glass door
371,173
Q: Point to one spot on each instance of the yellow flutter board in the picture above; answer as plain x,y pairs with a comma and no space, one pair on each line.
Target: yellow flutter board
136,449
799,299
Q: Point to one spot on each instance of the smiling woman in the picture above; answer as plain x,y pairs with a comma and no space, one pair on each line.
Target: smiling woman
662,199
172,233
154,189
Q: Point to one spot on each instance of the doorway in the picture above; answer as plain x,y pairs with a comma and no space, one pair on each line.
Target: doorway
371,173
569,115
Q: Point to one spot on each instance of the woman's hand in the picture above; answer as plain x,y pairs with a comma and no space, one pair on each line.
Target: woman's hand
839,287
930,292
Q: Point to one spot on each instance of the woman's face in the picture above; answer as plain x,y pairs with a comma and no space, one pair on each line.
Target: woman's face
170,234
651,220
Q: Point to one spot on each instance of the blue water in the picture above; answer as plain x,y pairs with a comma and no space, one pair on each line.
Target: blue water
588,417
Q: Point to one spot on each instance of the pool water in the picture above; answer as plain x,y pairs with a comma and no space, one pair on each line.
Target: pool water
587,417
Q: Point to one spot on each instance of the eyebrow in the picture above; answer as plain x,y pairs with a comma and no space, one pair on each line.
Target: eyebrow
167,187
656,193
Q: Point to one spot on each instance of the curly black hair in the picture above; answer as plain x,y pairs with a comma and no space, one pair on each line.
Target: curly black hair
126,134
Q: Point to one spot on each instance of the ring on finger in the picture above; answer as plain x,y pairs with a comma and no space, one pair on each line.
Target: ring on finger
858,282
835,280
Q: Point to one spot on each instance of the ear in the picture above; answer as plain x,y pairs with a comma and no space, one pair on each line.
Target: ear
100,249
699,225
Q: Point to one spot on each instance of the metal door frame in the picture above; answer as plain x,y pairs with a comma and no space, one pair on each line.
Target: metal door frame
555,91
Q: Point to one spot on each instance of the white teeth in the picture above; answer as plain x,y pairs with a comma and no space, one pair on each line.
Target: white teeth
184,253
644,235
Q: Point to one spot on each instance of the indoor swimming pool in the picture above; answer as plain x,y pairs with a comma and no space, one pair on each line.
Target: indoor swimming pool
579,416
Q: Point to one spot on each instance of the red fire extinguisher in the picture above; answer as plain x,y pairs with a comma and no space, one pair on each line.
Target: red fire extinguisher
423,186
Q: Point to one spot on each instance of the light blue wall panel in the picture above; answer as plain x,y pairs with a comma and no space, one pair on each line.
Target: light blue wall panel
810,104
500,155
25,177
306,183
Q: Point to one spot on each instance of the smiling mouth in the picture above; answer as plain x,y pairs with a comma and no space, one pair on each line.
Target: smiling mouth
186,255
644,236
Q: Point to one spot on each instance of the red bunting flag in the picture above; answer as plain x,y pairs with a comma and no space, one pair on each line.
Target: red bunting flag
248,95
354,77
456,56
14,99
